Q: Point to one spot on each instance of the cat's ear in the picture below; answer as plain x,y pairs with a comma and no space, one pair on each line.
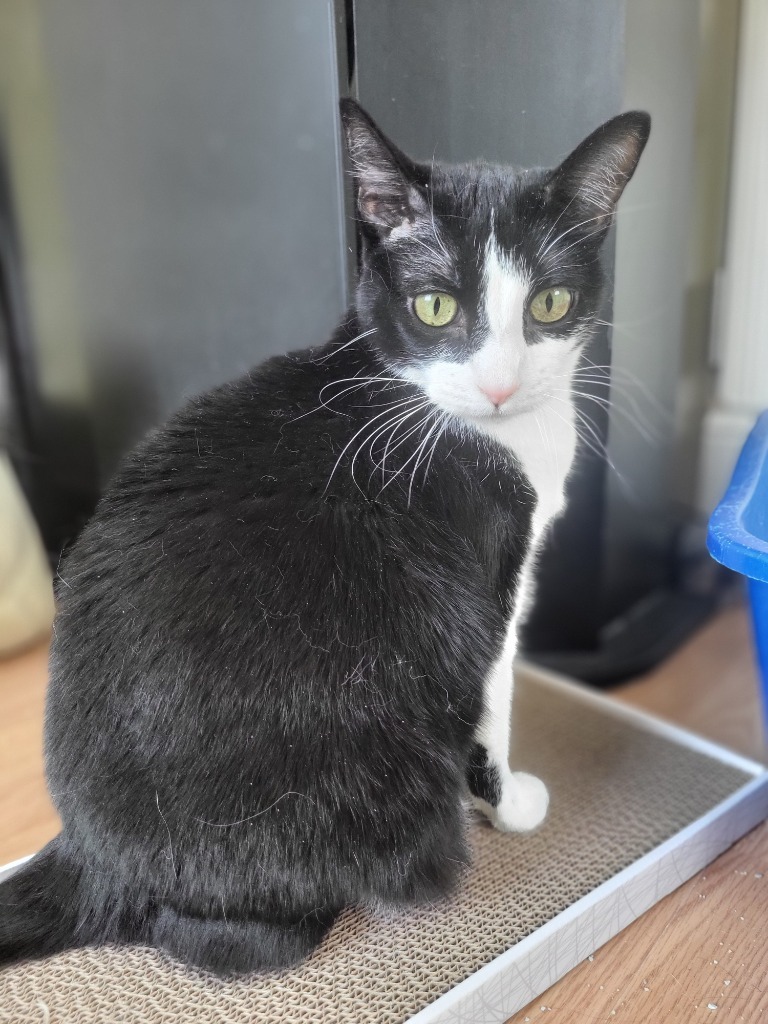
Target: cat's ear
593,177
387,195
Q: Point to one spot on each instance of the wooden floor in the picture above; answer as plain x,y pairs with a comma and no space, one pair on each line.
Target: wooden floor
701,954
27,819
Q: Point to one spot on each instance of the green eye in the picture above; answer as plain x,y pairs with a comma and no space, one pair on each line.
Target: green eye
551,304
436,309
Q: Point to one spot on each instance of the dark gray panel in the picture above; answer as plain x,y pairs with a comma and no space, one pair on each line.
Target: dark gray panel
513,81
199,165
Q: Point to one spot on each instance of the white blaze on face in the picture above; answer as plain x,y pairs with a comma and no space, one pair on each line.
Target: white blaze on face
497,364
463,387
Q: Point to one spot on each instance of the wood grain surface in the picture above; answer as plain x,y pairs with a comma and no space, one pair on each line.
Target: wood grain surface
27,815
701,954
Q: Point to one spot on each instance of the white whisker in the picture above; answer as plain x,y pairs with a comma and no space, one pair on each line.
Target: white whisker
421,450
362,429
633,416
442,423
380,431
170,841
341,348
579,241
555,223
560,237
402,469
250,817
406,436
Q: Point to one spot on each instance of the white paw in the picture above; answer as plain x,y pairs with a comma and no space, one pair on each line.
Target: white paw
523,805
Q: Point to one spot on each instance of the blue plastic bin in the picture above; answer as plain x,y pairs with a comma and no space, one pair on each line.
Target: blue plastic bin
738,535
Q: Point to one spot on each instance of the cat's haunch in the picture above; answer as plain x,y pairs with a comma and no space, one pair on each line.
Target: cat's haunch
283,648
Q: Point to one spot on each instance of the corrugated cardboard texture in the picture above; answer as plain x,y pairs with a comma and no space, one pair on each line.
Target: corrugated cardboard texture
617,791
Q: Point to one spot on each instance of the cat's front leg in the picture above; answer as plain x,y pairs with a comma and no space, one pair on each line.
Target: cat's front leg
513,801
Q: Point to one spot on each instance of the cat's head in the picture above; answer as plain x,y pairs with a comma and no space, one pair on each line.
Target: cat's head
481,284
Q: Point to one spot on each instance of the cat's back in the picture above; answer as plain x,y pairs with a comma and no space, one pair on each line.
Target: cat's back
255,437
221,567
240,455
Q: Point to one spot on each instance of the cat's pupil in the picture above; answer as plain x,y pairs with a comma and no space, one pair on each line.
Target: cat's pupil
549,302
436,306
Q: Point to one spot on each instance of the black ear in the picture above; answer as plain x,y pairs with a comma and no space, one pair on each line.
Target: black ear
595,174
387,195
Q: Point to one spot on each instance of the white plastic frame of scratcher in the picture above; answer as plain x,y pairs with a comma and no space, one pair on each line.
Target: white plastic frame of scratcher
638,807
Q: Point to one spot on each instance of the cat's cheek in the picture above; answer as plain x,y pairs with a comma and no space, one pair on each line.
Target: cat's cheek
450,386
551,361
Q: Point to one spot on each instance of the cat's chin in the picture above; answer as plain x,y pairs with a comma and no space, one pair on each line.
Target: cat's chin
497,416
494,422
519,406
483,417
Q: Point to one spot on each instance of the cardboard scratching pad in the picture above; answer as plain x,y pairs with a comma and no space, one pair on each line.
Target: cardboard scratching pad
636,808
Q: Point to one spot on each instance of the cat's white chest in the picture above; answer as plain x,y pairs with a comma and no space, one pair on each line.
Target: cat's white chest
544,442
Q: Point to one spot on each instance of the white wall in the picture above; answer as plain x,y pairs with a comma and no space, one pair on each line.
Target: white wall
741,321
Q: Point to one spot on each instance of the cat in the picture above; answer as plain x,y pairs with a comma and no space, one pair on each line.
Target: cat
283,646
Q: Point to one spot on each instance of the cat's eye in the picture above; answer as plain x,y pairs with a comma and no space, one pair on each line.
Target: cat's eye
436,309
551,304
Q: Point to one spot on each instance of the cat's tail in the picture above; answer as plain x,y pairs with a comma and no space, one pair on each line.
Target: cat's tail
47,907
228,947
39,906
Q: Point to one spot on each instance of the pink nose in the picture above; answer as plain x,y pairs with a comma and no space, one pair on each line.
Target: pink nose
499,395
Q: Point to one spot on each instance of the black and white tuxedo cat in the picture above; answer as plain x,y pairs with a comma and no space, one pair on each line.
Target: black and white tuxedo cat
284,643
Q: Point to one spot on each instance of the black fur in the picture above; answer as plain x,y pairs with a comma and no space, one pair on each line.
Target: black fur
269,651
483,776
